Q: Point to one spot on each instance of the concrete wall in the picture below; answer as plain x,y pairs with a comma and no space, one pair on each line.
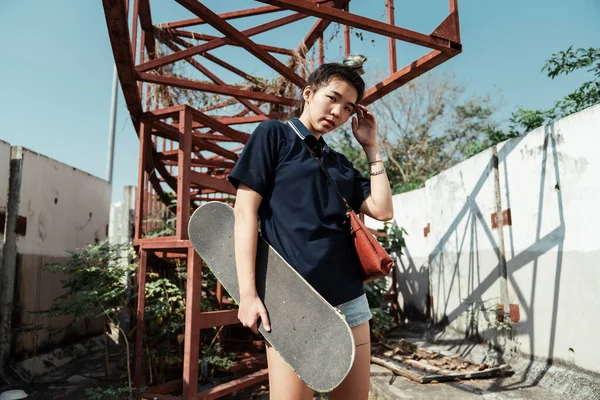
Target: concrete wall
65,209
550,181
412,270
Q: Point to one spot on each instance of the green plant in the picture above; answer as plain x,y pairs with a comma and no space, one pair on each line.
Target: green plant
566,62
524,120
393,242
117,393
96,284
484,315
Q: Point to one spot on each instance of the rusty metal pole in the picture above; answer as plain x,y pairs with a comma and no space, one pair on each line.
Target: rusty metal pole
112,123
391,41
321,50
346,35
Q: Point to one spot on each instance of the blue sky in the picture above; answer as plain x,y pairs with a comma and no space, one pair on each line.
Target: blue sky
57,66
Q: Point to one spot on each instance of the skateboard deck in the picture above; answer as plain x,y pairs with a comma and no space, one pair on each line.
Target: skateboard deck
311,335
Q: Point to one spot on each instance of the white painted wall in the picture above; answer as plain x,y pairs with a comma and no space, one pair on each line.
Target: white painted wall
65,208
551,179
552,249
412,267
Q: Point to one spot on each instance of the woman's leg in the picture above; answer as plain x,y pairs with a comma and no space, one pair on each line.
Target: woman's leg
284,384
356,385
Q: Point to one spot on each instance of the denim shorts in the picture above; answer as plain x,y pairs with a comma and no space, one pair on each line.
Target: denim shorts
356,311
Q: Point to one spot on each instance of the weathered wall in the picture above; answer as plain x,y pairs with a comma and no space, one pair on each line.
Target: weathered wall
412,267
65,209
549,180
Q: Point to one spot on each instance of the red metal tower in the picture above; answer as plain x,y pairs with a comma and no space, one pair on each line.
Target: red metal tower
186,151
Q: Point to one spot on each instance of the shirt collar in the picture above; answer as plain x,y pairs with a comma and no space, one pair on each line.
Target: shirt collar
309,138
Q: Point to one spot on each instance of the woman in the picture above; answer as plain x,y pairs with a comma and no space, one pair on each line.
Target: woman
302,216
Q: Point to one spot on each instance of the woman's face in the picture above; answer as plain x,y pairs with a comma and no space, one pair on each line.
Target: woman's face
329,107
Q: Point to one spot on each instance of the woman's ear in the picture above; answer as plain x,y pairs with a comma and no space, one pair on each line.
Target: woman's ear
307,93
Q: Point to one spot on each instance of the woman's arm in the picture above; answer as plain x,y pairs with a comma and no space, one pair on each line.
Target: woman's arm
246,239
378,204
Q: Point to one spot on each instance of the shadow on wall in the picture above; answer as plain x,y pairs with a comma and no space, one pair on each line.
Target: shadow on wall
459,269
413,286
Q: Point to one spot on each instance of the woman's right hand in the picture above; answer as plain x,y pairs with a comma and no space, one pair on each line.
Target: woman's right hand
251,309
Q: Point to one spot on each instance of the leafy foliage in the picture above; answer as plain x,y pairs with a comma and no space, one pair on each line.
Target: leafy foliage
117,393
95,282
382,320
97,287
566,62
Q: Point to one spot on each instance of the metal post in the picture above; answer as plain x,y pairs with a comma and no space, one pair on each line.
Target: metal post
501,248
111,129
391,41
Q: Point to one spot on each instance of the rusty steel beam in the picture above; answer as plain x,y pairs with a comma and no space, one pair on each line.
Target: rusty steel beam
242,39
248,120
313,35
218,150
406,74
212,88
118,32
201,36
213,137
145,139
191,347
218,61
226,16
218,318
146,23
230,15
210,182
169,132
215,44
346,35
134,28
169,159
164,243
163,113
213,77
184,156
224,389
391,41
367,24
214,124
218,106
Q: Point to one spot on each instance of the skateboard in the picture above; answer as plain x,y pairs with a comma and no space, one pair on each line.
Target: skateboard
310,335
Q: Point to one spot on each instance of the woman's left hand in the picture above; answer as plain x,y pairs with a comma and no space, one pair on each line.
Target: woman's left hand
364,126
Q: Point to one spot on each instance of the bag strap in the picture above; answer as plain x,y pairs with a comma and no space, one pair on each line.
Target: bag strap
314,157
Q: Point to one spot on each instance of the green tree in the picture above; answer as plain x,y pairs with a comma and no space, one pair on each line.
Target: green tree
524,120
587,95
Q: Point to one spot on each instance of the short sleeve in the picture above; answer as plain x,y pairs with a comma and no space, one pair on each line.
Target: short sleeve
361,190
256,166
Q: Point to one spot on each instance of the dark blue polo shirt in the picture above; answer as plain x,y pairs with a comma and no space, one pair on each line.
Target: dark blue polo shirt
301,214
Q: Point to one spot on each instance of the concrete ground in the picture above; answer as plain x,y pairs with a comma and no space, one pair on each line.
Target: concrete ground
532,379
